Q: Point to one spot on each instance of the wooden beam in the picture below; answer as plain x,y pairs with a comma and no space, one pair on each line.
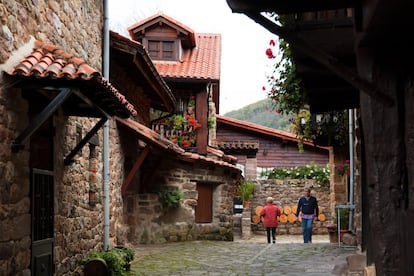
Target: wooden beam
288,6
202,118
144,153
323,58
61,97
69,159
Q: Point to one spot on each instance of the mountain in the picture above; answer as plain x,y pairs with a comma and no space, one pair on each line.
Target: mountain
261,113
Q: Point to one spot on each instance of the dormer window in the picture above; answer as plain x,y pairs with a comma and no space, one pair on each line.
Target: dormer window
162,50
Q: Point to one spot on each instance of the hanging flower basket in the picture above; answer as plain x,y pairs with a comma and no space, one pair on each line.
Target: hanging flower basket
342,169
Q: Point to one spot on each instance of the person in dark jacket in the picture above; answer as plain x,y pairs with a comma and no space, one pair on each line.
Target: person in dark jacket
308,205
270,214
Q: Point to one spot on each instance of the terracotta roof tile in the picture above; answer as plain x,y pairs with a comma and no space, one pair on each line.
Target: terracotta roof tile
151,137
261,129
48,62
200,62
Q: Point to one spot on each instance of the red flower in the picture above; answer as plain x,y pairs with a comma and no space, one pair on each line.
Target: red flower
269,53
272,42
263,88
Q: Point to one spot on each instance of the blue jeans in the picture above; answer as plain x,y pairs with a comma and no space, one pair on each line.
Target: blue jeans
307,230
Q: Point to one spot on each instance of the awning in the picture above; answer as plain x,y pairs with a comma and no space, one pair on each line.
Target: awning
58,79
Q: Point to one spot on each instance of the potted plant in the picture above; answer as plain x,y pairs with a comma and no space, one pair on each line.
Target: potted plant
246,189
333,232
343,221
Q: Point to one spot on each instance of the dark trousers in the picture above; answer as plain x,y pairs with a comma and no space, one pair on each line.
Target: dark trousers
273,230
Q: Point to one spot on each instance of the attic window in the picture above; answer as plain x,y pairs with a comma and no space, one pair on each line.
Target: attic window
162,50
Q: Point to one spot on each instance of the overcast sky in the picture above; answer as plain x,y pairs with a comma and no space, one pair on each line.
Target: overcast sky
244,65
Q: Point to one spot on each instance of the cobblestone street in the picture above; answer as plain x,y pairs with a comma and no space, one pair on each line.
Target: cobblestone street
289,256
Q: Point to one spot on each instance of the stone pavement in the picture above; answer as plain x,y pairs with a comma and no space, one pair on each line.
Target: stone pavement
253,256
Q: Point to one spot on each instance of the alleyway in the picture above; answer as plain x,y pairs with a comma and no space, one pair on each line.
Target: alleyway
289,256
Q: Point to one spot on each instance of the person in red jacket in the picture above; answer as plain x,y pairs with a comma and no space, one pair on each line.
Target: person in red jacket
270,214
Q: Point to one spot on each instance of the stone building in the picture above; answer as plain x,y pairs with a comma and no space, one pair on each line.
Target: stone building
73,141
182,157
54,104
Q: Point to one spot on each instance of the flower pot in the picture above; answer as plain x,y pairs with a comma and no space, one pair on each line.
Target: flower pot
333,237
246,204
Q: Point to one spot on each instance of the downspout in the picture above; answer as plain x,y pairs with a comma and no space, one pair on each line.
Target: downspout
105,65
351,165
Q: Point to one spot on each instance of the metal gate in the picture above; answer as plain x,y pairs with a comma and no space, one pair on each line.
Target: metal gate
42,222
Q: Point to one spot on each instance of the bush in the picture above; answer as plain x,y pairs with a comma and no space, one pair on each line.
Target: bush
117,259
319,174
170,197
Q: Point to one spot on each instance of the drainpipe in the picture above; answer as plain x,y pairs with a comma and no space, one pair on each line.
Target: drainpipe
351,165
105,64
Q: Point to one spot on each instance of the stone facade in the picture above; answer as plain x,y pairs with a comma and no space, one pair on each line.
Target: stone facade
286,193
78,226
149,223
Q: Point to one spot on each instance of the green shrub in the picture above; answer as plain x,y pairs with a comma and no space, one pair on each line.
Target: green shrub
170,197
319,174
117,259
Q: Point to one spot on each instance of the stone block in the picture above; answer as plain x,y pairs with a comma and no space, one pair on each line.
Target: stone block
370,271
356,262
6,250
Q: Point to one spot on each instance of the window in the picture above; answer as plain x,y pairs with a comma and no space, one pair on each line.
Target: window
161,49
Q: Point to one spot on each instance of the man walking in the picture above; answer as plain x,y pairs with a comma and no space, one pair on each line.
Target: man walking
309,206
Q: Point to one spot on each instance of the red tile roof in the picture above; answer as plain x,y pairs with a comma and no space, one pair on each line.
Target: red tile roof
151,137
49,63
201,62
164,19
201,56
262,129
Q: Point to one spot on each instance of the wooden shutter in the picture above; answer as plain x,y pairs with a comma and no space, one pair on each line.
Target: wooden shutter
204,208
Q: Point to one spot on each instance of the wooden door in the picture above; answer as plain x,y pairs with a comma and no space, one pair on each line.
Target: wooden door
204,208
42,210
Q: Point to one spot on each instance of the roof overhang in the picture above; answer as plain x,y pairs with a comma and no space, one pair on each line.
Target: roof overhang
135,58
328,72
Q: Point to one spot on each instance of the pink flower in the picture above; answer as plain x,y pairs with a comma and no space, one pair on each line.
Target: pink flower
263,88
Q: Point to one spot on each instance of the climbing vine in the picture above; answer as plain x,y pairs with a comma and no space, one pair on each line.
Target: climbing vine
289,98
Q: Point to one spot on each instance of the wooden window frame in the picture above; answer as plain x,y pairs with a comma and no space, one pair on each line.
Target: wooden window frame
161,49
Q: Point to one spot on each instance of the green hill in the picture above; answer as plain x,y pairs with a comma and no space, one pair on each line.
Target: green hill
261,113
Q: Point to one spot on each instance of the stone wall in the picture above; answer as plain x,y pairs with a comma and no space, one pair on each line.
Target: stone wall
149,223
79,225
14,188
287,193
76,26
